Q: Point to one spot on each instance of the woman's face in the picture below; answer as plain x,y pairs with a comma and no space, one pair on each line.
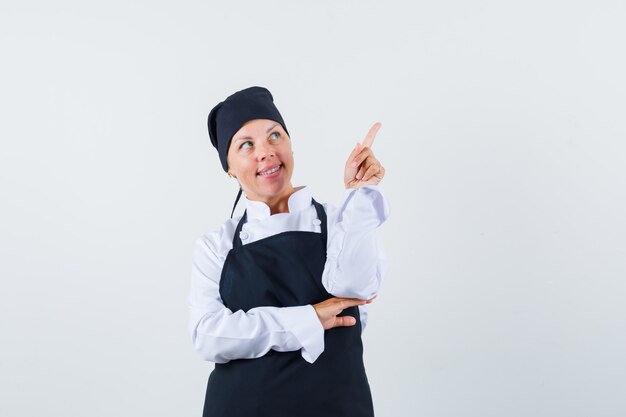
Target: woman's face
261,158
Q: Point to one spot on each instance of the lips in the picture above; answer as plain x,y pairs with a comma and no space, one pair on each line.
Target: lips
269,170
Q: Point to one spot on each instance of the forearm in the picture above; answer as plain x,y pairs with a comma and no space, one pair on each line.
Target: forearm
223,335
356,262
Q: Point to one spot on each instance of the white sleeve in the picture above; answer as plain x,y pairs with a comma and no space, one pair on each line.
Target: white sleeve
355,260
363,315
220,335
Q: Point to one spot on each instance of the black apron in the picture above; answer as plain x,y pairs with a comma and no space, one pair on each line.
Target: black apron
285,270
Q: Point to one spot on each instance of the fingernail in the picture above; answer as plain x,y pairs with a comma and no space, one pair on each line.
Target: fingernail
359,176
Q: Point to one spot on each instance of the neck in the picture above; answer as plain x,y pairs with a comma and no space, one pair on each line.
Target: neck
281,203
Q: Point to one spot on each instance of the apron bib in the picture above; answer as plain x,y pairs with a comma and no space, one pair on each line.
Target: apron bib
285,270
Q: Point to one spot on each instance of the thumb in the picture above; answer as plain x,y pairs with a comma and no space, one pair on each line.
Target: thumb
354,153
344,321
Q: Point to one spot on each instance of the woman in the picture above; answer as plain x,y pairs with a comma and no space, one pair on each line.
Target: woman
278,295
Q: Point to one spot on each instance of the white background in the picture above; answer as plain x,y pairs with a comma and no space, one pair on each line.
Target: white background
504,141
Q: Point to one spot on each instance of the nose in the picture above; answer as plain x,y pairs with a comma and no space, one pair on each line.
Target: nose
264,150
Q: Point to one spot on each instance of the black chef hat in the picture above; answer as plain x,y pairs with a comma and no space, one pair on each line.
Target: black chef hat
227,117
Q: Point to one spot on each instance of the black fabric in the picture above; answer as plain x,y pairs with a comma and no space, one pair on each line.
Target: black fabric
226,118
236,201
285,270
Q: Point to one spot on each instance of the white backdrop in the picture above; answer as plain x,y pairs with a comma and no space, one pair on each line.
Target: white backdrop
504,141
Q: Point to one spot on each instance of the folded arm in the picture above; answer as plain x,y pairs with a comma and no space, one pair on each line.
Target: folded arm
220,335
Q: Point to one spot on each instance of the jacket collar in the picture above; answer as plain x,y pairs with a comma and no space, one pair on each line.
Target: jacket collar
298,201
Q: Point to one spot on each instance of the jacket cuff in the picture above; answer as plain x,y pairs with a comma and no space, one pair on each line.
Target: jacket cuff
367,204
303,323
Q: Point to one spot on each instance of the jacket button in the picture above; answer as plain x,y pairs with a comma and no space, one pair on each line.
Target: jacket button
243,235
317,222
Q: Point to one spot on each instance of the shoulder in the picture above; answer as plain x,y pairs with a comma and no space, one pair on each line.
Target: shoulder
217,242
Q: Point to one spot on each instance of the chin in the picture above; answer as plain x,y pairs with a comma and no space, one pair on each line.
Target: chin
271,191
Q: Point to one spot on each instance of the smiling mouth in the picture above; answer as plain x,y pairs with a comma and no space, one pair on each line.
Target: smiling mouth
270,171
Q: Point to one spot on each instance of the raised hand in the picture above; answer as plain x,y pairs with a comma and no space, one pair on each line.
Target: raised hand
362,167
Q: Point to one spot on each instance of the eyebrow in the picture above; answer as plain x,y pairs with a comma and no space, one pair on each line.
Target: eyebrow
250,137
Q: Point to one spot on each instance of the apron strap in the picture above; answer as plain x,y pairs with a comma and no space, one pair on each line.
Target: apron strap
321,215
236,239
236,201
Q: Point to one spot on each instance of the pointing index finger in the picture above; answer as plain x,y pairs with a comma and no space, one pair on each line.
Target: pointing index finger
369,139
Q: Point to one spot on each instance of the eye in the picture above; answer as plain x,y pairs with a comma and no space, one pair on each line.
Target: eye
275,137
245,145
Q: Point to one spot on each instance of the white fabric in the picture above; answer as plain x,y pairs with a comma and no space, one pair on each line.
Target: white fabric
354,267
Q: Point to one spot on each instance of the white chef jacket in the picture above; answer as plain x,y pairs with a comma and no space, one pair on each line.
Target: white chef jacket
355,266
